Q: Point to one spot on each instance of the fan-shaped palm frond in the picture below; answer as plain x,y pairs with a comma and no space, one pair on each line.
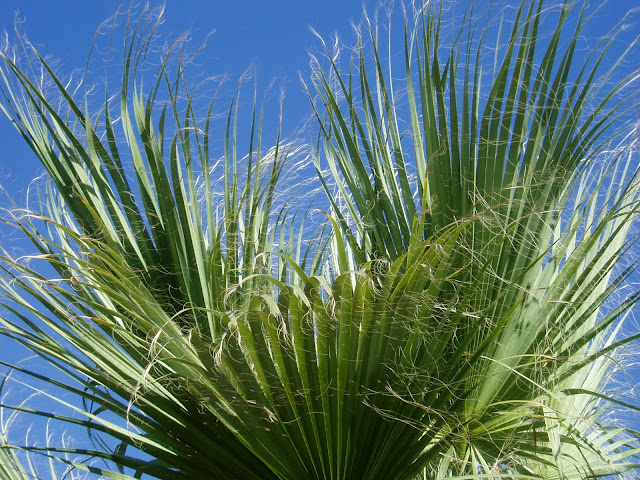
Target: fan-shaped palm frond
456,323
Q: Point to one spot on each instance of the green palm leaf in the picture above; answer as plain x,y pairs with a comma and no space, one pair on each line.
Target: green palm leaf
455,323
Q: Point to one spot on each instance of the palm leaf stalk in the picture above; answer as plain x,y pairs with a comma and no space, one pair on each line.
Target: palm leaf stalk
456,323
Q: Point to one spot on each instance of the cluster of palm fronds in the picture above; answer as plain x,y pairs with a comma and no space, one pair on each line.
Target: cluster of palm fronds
458,317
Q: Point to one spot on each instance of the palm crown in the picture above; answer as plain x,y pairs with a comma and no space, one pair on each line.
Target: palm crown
450,321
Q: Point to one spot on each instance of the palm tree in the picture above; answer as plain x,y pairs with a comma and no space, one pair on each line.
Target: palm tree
457,318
